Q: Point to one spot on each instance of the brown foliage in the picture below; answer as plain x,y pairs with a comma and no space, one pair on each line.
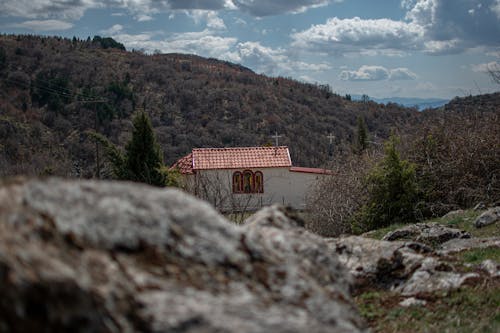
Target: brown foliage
336,198
192,101
458,159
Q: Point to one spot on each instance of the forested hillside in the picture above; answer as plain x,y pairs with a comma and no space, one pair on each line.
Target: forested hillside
54,90
193,102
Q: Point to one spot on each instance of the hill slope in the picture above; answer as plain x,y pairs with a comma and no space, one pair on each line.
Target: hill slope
192,101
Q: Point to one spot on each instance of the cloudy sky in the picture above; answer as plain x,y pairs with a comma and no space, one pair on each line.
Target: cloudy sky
383,48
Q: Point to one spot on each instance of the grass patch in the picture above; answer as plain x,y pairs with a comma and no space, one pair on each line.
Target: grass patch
477,256
469,309
238,218
380,233
464,221
472,308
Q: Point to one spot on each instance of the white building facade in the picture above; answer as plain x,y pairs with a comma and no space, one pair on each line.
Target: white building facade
246,179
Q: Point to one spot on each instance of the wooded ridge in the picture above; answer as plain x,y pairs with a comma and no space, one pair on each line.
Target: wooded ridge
54,90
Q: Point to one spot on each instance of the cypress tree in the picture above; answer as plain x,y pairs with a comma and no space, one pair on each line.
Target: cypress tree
3,58
362,135
143,160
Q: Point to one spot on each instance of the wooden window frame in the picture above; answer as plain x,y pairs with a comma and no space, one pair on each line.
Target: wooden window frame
238,182
260,188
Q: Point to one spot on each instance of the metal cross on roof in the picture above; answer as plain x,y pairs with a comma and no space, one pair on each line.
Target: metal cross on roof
276,138
331,137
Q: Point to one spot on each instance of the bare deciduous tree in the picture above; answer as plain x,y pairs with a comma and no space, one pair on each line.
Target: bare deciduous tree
216,188
494,71
457,158
335,199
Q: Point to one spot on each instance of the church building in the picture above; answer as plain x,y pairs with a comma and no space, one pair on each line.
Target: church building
246,179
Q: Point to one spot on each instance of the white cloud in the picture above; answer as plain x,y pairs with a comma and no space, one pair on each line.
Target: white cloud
433,26
422,12
397,74
240,21
308,79
112,30
456,25
305,66
365,73
210,17
62,9
340,36
198,4
377,73
74,9
202,43
486,67
271,61
261,58
44,25
262,8
436,47
494,53
495,8
143,18
144,10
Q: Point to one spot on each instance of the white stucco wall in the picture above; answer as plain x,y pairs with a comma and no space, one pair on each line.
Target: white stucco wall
280,186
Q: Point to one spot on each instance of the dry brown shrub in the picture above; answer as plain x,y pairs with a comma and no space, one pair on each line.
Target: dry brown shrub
334,201
458,160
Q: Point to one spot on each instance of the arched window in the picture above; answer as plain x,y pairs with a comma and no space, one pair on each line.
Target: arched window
248,181
237,182
259,182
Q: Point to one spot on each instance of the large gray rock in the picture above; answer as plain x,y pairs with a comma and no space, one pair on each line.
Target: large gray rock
121,257
409,268
490,216
458,245
428,233
491,267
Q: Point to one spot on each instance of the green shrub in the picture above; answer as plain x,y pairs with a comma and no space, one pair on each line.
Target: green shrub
142,160
392,192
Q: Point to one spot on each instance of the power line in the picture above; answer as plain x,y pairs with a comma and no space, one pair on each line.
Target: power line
56,90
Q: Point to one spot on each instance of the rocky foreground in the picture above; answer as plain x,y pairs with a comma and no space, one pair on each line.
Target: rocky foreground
122,257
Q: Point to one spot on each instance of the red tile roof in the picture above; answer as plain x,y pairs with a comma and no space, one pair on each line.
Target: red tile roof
184,165
234,158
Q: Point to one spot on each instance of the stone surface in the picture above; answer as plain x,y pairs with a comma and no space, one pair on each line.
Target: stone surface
412,301
409,268
490,216
479,206
122,257
492,267
428,233
458,245
454,213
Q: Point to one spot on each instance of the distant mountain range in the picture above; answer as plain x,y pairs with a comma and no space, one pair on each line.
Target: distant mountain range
419,103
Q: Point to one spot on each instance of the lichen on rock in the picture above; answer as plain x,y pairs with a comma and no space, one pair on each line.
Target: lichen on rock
88,256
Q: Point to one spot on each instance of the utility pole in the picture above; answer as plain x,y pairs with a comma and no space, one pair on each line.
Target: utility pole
331,137
96,129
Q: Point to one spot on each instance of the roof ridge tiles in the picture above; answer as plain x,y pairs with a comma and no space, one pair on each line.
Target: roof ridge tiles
239,148
240,157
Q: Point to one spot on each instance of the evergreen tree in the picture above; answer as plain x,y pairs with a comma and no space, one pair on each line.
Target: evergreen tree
392,192
362,135
143,160
3,58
